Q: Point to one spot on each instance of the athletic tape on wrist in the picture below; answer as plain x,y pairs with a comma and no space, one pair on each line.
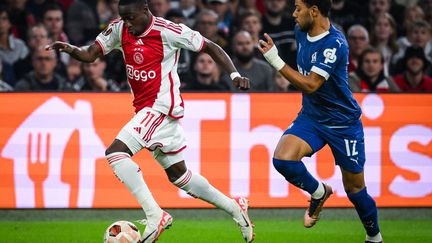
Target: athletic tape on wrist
273,58
234,75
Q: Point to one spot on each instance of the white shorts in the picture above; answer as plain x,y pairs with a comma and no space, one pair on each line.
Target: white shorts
157,132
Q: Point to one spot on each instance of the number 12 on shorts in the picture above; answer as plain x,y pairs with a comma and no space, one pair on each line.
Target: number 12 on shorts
351,150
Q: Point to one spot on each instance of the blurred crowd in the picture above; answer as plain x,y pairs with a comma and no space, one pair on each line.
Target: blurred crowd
390,43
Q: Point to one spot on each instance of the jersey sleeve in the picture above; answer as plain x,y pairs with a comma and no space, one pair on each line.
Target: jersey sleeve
186,38
110,38
334,51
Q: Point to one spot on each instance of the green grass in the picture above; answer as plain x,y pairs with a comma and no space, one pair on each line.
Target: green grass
273,226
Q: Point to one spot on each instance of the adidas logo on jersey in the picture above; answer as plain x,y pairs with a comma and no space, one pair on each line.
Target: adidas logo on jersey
139,42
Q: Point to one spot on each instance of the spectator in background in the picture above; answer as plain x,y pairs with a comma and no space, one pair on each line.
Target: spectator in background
185,59
74,71
93,78
43,77
412,14
189,11
383,37
54,23
113,5
21,18
426,5
282,84
82,22
159,8
245,6
11,49
37,8
259,72
414,77
345,13
370,76
250,21
280,26
4,86
379,7
206,24
206,76
36,37
225,17
419,34
358,41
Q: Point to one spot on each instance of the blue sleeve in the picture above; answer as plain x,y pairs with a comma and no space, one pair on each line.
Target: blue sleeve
333,53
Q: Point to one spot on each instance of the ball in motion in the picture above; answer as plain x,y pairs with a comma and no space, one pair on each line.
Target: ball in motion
122,232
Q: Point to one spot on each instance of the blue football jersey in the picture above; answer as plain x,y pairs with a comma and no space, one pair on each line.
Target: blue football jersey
327,55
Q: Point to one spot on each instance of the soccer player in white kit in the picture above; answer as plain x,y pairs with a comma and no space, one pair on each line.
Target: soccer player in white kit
151,48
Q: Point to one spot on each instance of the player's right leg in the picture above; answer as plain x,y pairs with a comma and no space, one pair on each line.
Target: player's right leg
129,173
127,143
298,141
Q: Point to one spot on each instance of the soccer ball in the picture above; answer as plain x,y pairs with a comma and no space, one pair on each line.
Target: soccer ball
122,232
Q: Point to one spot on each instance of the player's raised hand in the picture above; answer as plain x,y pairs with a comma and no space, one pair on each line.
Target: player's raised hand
241,83
265,46
270,52
60,46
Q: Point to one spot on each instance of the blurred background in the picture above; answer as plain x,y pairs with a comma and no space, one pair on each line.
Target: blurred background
57,117
390,43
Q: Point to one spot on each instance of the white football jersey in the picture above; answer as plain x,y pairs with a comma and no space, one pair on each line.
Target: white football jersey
151,61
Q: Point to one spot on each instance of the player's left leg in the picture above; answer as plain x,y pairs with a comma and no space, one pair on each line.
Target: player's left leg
347,145
198,187
170,142
299,140
364,204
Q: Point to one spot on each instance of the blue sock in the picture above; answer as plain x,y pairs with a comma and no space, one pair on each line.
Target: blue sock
296,173
367,211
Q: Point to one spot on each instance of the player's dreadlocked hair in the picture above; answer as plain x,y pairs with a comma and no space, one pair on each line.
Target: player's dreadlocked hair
127,2
324,6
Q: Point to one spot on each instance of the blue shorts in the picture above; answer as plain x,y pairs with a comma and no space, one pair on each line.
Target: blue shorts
346,142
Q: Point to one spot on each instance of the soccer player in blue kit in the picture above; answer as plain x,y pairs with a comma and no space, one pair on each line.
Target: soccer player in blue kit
329,115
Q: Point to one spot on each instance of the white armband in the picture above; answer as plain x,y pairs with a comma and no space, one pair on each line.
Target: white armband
273,58
234,75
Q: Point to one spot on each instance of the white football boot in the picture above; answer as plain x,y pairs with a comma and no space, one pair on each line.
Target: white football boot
155,228
241,217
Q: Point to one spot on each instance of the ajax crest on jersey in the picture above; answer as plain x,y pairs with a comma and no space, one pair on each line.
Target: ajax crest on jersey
138,57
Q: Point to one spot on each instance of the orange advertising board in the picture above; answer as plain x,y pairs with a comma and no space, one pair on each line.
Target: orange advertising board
52,150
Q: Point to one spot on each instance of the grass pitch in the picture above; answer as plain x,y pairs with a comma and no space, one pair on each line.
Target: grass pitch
211,225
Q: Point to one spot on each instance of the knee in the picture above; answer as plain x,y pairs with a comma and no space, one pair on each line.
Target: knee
353,188
278,164
111,149
173,177
175,172
287,154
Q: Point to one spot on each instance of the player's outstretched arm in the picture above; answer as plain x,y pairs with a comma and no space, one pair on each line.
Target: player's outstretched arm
84,54
222,58
308,84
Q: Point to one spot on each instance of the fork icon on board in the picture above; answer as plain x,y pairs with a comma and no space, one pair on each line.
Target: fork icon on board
37,168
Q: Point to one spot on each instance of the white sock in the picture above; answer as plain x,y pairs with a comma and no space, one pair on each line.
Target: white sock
376,238
198,187
130,174
319,192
